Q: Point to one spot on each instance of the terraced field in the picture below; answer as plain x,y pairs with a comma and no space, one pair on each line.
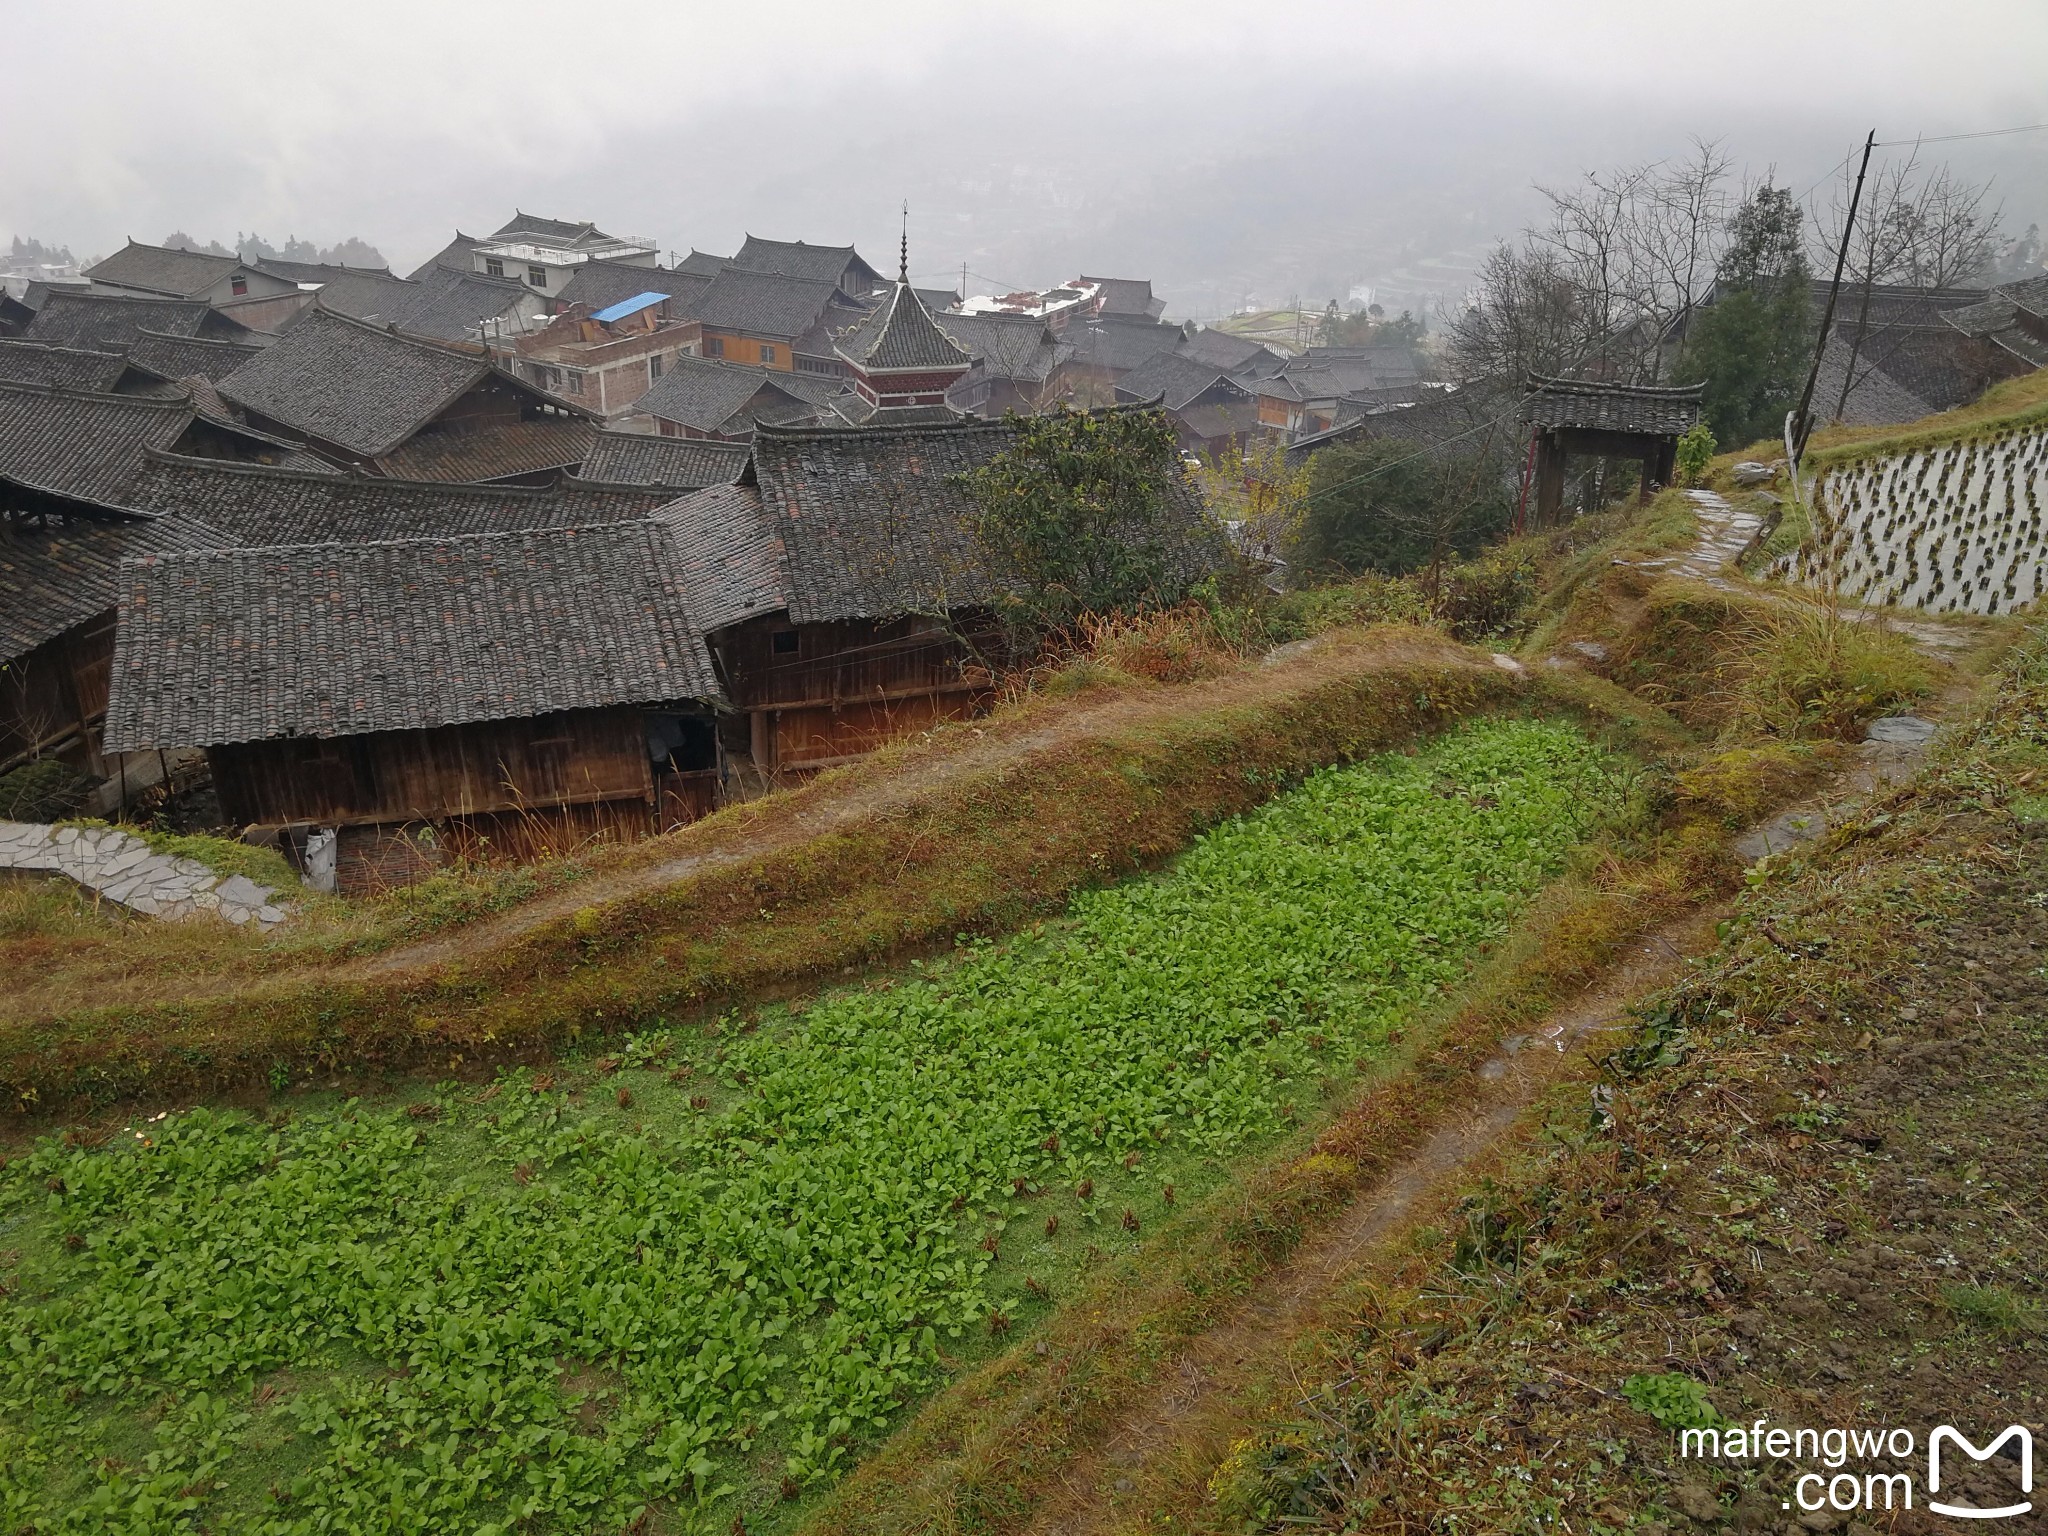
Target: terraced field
692,1281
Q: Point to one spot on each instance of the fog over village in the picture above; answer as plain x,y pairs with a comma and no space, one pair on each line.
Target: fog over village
1069,770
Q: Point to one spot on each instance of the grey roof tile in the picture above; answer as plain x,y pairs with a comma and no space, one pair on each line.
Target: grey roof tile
602,283
901,335
61,572
84,444
731,556
492,453
184,357
766,304
343,382
1611,407
795,258
255,504
161,269
875,524
75,318
35,362
672,463
332,640
707,395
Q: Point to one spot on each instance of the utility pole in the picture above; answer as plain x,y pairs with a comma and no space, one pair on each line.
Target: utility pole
1799,425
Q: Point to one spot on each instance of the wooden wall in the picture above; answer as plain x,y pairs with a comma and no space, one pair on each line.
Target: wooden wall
582,756
53,699
818,694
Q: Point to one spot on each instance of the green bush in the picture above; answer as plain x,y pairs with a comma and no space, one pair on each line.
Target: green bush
1695,452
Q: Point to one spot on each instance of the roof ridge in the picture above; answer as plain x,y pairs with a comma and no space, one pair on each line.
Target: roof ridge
381,482
237,551
72,392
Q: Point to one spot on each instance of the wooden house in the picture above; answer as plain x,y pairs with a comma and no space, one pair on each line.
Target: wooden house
491,694
706,399
372,397
842,591
1015,363
839,265
1211,412
77,317
782,323
60,559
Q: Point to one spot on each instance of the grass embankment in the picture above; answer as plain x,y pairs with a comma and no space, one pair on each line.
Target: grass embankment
1810,1191
2017,404
524,1306
978,841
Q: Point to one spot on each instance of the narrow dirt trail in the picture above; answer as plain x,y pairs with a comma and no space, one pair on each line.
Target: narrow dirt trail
1167,1432
1308,1289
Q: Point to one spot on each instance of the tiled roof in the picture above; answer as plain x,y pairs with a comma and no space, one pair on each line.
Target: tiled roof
1210,422
1007,346
1231,354
1611,407
455,305
1875,398
2003,319
351,384
314,271
599,283
703,264
254,504
672,463
83,444
376,297
454,254
793,258
1172,379
763,303
731,556
60,573
160,269
875,524
1355,370
490,453
332,640
35,362
567,231
1120,345
183,357
901,334
705,395
1126,296
74,318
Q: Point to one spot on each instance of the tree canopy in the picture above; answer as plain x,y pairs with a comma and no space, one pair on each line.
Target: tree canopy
1078,512
1751,346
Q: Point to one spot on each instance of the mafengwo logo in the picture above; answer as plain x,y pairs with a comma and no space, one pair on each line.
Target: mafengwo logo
1948,1434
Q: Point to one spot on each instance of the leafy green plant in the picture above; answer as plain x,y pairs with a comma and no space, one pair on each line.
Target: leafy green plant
1695,451
510,1308
1676,1401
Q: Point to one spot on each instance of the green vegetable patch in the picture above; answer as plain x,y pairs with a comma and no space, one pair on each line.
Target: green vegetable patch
695,1279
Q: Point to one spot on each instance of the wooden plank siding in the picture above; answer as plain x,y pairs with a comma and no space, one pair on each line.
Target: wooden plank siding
579,757
821,694
53,699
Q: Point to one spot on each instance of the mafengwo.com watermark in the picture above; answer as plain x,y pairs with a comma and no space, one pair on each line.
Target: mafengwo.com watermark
1864,1470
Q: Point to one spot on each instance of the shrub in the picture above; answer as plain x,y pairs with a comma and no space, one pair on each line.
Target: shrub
1695,452
44,790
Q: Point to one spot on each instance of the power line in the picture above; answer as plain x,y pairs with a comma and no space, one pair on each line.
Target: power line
1373,474
1951,138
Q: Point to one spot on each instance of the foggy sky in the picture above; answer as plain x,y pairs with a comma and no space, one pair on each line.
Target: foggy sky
1225,150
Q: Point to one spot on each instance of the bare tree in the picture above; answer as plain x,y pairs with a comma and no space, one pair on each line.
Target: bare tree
1921,228
1609,280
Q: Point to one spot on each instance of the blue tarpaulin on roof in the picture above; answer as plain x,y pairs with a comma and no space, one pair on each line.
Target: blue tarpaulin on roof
626,307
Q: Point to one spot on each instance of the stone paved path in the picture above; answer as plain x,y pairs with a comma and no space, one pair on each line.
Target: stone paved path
123,868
